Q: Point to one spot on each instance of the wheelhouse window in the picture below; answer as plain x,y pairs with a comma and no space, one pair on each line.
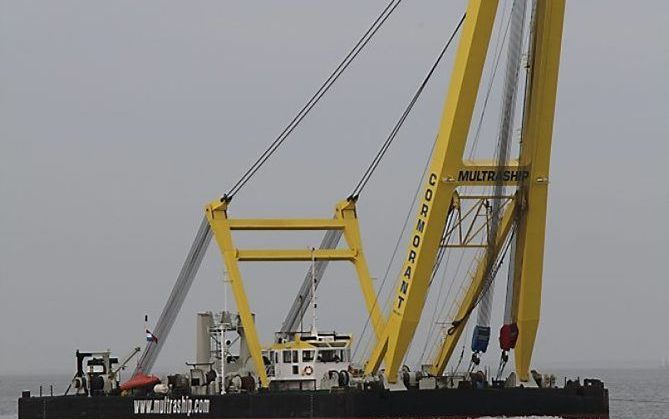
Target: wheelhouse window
287,358
307,356
328,355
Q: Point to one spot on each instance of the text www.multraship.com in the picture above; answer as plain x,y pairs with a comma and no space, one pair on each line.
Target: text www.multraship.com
166,406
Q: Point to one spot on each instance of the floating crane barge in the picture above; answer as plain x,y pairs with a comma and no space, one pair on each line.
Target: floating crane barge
312,373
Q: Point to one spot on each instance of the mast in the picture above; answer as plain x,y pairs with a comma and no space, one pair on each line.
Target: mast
314,302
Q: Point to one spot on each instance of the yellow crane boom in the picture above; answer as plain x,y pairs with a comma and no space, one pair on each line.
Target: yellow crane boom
442,181
448,171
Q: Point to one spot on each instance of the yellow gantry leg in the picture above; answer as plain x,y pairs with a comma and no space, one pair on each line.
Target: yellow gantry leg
347,213
535,154
442,177
220,226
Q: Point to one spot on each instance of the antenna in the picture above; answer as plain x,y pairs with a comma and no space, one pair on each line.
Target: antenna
314,316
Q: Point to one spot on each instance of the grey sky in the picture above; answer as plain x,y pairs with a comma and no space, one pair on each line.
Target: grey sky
120,120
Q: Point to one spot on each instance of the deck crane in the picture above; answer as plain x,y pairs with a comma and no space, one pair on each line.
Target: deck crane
526,213
523,216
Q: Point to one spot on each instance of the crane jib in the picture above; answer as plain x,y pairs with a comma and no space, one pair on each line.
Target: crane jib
415,241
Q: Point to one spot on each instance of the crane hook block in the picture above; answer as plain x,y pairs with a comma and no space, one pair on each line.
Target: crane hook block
480,338
508,335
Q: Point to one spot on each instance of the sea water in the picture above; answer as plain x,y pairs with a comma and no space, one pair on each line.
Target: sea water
634,393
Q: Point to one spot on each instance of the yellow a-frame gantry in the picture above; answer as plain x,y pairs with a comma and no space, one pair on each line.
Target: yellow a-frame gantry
448,171
345,219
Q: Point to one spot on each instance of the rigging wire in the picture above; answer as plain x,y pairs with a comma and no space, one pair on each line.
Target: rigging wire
434,320
380,154
462,355
505,133
457,322
443,245
327,84
393,133
203,237
488,281
386,145
397,246
489,90
498,53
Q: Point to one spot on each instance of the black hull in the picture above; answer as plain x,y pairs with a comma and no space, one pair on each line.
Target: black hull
583,402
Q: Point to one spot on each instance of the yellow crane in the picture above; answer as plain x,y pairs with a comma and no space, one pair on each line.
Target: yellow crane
448,171
524,215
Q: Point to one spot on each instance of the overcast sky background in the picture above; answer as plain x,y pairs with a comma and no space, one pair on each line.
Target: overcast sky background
120,120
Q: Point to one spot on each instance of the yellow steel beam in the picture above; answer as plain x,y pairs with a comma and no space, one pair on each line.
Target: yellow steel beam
535,153
260,224
216,214
489,163
476,287
305,255
346,212
435,202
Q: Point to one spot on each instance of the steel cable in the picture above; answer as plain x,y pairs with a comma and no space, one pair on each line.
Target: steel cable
394,254
327,84
510,90
497,54
380,154
393,133
203,237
